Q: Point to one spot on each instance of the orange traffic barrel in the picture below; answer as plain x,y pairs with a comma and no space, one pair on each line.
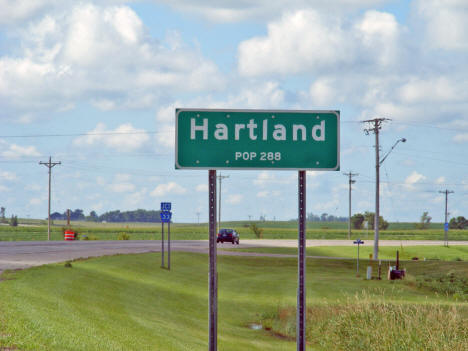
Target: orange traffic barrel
69,235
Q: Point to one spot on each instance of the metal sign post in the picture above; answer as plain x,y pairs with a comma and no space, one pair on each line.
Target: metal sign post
301,291
213,274
358,242
162,244
169,245
166,216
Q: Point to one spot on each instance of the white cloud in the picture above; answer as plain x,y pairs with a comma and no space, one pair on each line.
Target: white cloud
166,114
438,88
122,177
378,33
445,23
440,180
234,199
202,188
413,179
263,193
10,176
35,201
18,10
266,94
64,58
14,151
287,50
461,138
234,11
121,187
137,198
169,188
322,91
124,138
166,136
263,178
310,41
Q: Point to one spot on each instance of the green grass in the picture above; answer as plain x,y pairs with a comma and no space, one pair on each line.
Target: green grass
283,230
127,302
451,253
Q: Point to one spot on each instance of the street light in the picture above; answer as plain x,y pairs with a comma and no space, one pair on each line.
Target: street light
403,140
377,195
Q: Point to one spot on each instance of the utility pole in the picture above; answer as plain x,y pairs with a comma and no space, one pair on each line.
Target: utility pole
446,192
220,178
376,125
49,165
351,181
198,215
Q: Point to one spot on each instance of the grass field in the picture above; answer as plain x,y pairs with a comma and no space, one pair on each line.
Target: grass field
451,253
271,230
127,302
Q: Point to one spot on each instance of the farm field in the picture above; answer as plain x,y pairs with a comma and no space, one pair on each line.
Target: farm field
127,302
181,231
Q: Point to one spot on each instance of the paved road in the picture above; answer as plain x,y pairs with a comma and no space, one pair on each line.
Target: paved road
24,254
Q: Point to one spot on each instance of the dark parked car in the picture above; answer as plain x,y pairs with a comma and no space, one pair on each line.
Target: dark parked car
228,235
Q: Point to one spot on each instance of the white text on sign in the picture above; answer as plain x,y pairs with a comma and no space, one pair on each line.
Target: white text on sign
263,156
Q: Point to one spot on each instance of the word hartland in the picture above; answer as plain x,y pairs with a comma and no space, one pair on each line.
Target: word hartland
279,133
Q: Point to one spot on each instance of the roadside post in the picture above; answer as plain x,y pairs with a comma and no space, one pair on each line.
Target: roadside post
166,216
446,229
212,139
358,242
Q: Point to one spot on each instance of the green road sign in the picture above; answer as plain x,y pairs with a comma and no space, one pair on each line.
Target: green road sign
257,139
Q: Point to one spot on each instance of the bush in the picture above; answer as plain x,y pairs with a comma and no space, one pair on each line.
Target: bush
123,236
256,230
14,221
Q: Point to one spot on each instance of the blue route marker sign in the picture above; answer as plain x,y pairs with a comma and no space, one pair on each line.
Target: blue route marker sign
165,206
165,216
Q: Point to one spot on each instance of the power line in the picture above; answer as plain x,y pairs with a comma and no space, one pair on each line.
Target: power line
418,124
81,134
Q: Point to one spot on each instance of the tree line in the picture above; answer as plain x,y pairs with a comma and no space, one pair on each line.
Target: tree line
139,215
325,217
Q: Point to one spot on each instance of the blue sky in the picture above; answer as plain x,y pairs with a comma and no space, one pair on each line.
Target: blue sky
95,85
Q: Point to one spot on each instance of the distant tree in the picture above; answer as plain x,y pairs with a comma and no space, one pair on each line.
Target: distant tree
56,216
324,217
76,215
14,221
312,218
425,220
93,217
369,217
2,214
357,220
458,223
